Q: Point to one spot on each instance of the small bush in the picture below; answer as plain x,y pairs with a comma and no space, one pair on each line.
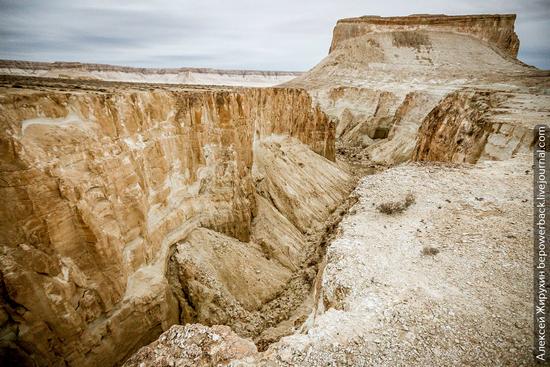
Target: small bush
411,39
430,251
393,207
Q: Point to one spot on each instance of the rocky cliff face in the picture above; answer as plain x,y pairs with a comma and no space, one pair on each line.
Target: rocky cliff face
131,207
385,78
419,88
470,125
100,184
76,70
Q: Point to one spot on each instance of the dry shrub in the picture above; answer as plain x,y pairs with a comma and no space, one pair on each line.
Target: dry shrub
430,251
393,207
411,39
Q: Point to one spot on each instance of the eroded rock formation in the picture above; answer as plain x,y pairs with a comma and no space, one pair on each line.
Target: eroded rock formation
495,29
132,207
419,286
276,269
100,184
384,76
469,125
81,71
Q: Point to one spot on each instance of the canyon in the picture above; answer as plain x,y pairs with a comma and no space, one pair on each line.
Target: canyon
149,224
102,186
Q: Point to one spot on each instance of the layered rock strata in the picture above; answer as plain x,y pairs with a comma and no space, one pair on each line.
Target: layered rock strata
418,286
99,184
470,125
495,29
82,71
384,77
154,205
254,286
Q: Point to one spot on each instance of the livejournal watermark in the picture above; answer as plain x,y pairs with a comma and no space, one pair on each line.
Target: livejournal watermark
541,207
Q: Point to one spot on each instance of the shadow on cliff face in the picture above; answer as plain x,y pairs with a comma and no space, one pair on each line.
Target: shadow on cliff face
95,205
11,353
397,97
14,356
263,289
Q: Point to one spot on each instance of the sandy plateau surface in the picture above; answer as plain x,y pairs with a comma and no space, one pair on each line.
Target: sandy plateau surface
102,72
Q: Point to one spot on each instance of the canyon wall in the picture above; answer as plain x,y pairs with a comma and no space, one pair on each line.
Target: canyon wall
76,70
99,185
128,208
474,124
255,286
418,88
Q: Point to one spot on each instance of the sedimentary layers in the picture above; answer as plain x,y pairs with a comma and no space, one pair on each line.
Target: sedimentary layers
495,29
473,124
82,71
410,276
385,79
99,185
256,285
422,88
128,208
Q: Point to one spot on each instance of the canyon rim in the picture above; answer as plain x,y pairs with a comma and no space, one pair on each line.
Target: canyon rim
375,210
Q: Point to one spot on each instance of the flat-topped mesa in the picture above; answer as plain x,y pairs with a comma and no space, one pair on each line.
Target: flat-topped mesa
495,29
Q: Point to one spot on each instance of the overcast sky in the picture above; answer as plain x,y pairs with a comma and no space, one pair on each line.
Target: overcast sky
238,34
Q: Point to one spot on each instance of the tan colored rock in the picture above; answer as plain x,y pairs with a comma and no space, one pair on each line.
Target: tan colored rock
382,292
495,29
419,286
193,345
100,180
196,76
474,124
384,76
385,301
132,207
220,280
286,173
221,277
